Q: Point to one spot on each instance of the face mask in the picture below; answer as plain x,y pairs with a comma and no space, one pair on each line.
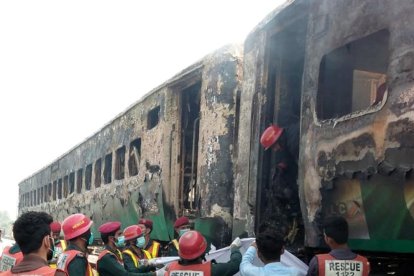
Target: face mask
182,231
51,251
90,240
140,242
120,241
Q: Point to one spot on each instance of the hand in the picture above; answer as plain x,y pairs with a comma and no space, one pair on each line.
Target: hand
254,245
236,243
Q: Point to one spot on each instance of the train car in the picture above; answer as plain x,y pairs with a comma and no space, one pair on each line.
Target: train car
167,155
342,71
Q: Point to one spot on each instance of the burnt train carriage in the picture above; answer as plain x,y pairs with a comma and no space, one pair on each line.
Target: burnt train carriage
167,155
344,71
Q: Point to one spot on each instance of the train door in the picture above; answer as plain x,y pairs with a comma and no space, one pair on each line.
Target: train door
190,121
277,194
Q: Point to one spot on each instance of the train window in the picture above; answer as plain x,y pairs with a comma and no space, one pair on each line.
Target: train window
153,117
60,188
120,163
79,180
88,177
98,172
54,189
49,192
31,198
134,157
45,194
353,77
71,182
65,186
39,196
108,169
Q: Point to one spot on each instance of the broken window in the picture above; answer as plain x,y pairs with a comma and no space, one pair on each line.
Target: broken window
98,171
60,188
54,189
49,192
88,177
71,182
65,186
120,163
353,77
153,117
79,180
108,169
31,198
134,157
39,196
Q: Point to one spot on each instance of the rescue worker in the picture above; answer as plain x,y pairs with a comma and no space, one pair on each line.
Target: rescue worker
11,256
192,253
181,226
110,262
153,247
60,244
134,254
76,230
32,232
340,260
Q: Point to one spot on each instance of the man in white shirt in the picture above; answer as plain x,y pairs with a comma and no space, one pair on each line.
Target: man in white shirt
269,246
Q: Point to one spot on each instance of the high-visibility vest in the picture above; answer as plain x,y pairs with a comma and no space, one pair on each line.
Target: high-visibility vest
8,260
135,258
67,257
154,249
43,271
175,268
175,242
329,266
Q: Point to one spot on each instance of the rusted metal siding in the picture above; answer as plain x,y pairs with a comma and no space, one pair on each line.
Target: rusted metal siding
364,142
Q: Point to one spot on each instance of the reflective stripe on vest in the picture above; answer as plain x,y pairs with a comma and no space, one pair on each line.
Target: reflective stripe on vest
135,258
175,269
43,271
8,260
63,245
175,242
329,266
154,248
67,257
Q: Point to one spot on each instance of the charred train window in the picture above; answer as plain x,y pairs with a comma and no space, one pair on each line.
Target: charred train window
98,170
108,169
134,157
88,177
120,163
65,186
60,188
153,117
71,182
34,198
54,189
49,191
79,181
353,77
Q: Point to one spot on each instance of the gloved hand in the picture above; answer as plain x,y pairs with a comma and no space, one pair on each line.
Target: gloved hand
161,271
236,243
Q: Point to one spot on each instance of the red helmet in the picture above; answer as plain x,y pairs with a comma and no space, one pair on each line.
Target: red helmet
76,225
270,136
192,245
55,227
132,232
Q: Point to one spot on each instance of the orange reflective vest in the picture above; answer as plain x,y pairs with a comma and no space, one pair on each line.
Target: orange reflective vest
154,249
8,260
67,257
328,265
135,258
43,271
197,269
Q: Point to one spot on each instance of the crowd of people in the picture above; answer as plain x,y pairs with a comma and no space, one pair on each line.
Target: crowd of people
40,250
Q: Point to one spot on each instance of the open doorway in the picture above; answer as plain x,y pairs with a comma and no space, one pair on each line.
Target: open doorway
190,119
277,197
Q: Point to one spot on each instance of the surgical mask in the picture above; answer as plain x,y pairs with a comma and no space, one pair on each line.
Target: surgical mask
120,241
182,231
140,242
90,240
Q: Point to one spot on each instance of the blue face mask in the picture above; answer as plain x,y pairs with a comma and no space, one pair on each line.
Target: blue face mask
120,241
140,242
182,231
90,240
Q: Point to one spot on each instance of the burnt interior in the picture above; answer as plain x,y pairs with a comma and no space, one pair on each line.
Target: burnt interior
134,156
286,51
120,163
350,76
98,169
108,169
190,121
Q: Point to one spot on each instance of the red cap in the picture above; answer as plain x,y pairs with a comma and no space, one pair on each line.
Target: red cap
146,222
181,221
270,136
109,227
55,226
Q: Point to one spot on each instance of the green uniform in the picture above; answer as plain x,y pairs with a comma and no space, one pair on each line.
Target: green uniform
130,265
172,248
78,266
111,265
231,267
